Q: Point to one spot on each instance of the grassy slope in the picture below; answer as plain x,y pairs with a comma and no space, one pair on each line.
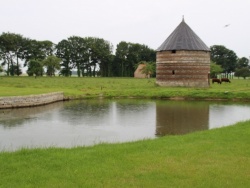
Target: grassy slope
214,158
118,87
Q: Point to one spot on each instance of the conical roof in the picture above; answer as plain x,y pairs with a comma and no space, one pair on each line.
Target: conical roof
183,38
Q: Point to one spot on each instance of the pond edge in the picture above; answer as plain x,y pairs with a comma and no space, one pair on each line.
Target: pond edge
31,100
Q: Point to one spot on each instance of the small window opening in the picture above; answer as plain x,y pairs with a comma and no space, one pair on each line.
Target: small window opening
173,51
173,72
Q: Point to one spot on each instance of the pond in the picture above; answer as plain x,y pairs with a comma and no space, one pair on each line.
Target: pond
89,122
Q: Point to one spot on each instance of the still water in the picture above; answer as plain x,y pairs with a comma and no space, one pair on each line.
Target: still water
89,122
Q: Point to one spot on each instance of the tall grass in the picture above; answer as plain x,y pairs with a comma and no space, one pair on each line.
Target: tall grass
214,158
119,87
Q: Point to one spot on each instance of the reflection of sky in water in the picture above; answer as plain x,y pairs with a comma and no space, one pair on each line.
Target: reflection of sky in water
78,123
223,115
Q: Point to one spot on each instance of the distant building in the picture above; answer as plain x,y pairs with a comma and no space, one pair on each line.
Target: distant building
183,59
138,72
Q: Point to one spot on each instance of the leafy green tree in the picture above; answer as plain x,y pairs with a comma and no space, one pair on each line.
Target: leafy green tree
63,52
99,56
14,47
128,55
106,68
75,53
224,57
10,50
87,55
121,58
149,69
1,69
242,72
242,62
35,67
37,50
78,52
52,64
18,43
15,70
147,54
133,58
6,50
215,70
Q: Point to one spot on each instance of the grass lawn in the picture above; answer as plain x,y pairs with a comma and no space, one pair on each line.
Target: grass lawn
213,158
119,87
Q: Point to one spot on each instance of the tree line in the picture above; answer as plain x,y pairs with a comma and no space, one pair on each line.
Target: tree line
91,56
224,60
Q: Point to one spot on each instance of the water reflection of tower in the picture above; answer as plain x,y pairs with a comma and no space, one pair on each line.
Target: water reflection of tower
180,117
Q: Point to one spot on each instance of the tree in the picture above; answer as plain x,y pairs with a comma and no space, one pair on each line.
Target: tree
128,55
10,51
100,55
87,55
14,47
52,64
147,54
121,58
242,72
224,57
63,52
15,70
149,69
133,58
35,67
242,62
37,50
78,52
215,70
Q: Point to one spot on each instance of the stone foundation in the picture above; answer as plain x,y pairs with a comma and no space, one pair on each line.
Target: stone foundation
30,100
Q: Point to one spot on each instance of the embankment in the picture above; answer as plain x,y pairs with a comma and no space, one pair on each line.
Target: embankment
30,100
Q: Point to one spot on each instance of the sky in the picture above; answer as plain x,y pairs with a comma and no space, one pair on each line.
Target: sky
147,22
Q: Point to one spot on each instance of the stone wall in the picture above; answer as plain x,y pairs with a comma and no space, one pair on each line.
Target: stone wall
183,68
30,100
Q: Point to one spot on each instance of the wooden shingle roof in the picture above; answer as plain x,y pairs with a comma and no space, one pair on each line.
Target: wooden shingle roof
183,38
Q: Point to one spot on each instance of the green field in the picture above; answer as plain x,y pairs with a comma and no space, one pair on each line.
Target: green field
213,158
119,87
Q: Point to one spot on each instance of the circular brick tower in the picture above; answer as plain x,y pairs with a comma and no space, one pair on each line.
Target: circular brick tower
183,59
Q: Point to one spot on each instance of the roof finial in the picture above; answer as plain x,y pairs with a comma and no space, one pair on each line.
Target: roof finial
183,18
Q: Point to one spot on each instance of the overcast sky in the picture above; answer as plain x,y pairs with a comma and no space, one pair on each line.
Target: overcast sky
147,22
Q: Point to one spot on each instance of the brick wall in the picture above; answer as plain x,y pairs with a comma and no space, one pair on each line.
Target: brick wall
183,68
